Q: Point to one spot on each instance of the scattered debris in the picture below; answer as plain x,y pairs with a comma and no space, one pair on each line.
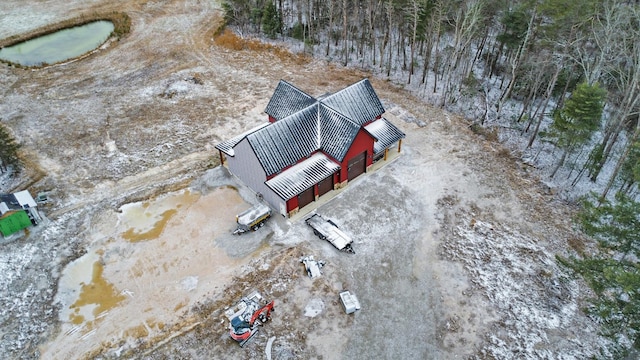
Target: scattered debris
42,197
328,230
313,267
349,302
252,311
267,350
252,219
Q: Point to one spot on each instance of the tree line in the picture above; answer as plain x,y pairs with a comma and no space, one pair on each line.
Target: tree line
9,159
564,73
531,54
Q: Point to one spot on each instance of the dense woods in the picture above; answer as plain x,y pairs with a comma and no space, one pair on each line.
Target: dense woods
505,63
562,77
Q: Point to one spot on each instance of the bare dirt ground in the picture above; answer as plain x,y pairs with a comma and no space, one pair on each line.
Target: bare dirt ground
455,241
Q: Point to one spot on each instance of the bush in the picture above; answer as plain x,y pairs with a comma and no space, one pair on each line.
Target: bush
228,39
297,31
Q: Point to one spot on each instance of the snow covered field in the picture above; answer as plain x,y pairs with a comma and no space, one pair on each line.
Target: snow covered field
454,240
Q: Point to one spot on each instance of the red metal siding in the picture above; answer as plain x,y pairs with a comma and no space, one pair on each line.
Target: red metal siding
362,142
292,204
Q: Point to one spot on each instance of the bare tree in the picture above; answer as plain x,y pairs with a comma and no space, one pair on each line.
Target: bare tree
516,60
621,161
466,21
330,27
548,94
345,47
623,77
415,7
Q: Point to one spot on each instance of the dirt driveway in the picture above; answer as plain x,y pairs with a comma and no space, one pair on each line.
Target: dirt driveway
454,240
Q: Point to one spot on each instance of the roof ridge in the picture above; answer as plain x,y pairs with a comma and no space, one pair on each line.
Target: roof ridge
347,88
336,112
296,88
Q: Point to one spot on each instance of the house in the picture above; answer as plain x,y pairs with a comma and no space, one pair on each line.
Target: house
311,146
17,212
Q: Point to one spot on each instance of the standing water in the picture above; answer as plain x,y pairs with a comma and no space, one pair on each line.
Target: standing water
58,46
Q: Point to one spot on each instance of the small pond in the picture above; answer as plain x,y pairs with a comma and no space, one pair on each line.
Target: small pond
59,46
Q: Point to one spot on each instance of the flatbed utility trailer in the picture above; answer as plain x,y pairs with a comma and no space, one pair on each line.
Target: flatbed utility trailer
252,219
327,230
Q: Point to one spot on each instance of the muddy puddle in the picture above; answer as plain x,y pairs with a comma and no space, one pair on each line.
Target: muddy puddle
159,260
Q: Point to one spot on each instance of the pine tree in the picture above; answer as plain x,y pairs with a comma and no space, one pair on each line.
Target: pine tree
617,305
271,22
579,118
615,225
630,171
615,280
8,151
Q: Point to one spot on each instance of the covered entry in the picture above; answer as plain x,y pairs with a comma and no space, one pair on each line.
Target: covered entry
357,165
325,185
296,185
306,197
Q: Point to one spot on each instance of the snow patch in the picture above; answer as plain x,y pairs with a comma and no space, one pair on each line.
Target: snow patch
537,299
314,308
189,283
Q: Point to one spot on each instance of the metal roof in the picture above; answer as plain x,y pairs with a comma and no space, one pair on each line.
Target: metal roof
302,176
16,201
285,142
385,132
286,100
336,132
10,203
358,102
227,146
306,125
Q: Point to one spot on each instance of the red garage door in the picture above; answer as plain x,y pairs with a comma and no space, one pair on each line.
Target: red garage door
356,166
306,197
325,185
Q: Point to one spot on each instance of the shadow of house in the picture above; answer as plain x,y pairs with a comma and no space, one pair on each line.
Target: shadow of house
311,146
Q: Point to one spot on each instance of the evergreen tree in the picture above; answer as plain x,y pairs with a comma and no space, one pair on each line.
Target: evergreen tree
515,25
579,118
630,172
617,305
8,151
616,282
615,226
271,22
